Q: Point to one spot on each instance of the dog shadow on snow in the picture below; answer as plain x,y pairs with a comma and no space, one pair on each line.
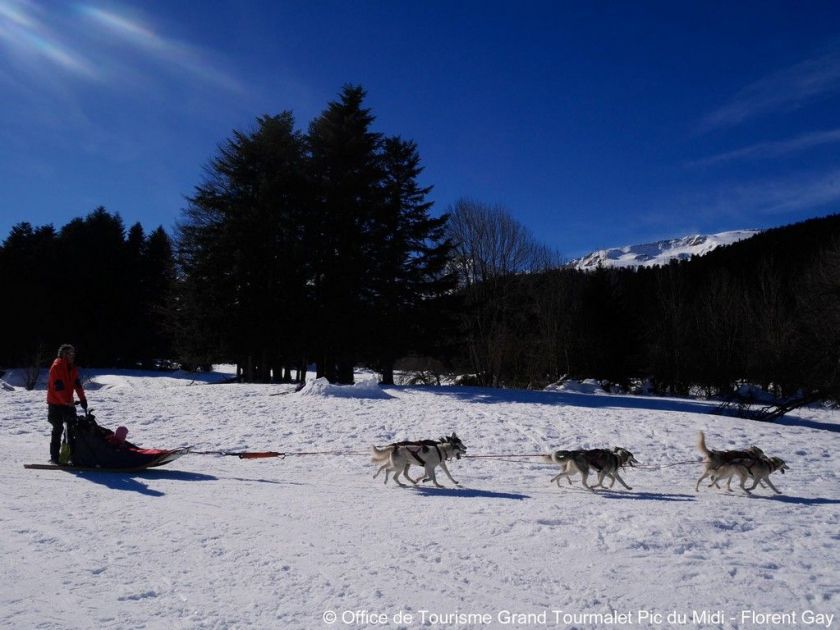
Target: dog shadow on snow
131,481
786,498
468,493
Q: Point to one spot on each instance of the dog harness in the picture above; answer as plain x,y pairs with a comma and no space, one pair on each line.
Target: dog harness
420,446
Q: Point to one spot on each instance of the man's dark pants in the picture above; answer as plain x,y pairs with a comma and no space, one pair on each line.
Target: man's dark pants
58,415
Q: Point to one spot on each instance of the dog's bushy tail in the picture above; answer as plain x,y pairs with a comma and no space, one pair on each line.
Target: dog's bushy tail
701,444
378,455
559,457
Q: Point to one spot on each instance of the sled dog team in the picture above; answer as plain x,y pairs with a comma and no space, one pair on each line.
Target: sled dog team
719,466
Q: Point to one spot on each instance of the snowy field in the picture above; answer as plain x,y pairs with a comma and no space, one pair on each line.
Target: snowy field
219,542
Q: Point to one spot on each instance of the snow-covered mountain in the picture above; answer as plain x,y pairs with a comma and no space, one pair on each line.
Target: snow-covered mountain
661,252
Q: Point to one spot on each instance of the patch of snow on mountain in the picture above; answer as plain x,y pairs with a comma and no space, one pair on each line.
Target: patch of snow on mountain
661,252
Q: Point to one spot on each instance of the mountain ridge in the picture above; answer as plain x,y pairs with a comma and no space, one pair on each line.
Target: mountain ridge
659,252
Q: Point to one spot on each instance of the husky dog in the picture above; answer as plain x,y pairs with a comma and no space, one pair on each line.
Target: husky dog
753,462
604,461
429,454
760,470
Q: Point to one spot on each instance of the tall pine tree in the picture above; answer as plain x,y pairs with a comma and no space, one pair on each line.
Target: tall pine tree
240,254
409,257
346,174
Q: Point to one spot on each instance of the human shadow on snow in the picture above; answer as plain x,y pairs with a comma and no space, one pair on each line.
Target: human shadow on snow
468,493
129,481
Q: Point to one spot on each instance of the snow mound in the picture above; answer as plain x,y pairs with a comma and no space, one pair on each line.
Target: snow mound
322,388
589,386
17,378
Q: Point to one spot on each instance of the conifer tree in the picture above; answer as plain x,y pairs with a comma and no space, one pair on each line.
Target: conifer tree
409,256
346,174
237,253
28,280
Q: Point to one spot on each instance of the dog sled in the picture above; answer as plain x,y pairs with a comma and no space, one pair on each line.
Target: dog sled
95,448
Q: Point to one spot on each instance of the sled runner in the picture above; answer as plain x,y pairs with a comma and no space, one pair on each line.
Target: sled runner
93,447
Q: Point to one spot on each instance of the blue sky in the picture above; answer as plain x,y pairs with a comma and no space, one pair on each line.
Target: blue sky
595,123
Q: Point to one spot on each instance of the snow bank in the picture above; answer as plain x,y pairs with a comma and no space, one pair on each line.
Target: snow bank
16,379
322,388
589,386
94,379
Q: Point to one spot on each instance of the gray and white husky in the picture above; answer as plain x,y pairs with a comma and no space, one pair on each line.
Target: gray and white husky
751,463
429,454
604,461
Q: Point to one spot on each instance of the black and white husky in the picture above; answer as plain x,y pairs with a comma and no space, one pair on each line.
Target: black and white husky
398,457
604,461
749,464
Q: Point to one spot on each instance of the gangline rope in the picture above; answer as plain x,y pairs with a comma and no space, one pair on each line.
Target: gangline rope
505,457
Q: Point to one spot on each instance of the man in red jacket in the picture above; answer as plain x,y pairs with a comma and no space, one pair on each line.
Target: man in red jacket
64,379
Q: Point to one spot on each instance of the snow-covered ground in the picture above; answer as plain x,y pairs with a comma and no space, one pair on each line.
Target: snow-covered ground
219,542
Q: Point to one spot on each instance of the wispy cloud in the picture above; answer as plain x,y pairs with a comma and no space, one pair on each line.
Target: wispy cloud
779,148
30,40
169,52
92,43
782,91
769,197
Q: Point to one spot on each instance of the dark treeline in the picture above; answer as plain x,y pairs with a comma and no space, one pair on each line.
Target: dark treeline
318,247
107,289
764,311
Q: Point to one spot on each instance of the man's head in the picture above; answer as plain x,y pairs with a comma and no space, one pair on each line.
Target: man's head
67,352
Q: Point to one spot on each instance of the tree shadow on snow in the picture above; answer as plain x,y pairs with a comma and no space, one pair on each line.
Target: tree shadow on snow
795,421
488,395
129,481
470,493
645,496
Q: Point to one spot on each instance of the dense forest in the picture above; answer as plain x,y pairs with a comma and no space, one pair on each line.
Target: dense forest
320,248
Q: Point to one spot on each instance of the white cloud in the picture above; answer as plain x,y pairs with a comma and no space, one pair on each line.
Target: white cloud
782,91
779,148
768,197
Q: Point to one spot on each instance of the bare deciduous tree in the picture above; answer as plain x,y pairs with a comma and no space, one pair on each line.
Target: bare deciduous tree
490,249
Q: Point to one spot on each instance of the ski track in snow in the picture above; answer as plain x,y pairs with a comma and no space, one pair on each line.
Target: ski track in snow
218,542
